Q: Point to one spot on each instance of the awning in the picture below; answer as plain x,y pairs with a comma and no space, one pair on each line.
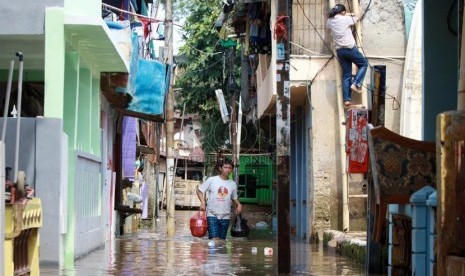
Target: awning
91,37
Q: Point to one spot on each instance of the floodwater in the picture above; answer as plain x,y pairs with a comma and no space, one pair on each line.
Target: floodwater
150,252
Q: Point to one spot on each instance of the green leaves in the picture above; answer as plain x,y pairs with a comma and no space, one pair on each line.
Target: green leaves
203,69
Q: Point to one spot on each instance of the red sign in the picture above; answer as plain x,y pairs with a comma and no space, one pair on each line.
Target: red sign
357,140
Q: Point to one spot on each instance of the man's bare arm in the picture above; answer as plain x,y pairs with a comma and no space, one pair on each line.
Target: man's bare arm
201,197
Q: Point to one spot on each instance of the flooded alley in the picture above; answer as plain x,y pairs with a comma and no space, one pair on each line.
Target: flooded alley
150,252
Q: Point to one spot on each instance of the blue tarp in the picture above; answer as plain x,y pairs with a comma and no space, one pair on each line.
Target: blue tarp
148,82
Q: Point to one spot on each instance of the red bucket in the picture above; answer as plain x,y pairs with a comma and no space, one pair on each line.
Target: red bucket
198,224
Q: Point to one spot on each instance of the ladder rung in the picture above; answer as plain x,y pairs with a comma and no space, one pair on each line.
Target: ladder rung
361,196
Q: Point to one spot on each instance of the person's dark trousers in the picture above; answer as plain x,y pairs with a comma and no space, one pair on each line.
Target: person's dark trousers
346,57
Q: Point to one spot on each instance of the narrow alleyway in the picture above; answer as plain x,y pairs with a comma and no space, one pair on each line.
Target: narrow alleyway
149,252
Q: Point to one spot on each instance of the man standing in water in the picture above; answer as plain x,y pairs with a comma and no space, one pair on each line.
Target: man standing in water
221,193
339,23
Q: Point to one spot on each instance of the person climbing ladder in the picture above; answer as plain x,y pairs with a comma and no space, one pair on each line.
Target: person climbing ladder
339,23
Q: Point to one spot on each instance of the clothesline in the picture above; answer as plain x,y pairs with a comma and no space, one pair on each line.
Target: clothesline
135,14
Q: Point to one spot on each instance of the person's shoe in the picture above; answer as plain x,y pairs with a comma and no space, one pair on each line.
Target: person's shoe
347,103
355,88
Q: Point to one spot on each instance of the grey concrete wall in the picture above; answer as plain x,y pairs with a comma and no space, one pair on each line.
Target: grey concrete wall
25,17
51,181
383,30
43,157
27,147
325,153
384,39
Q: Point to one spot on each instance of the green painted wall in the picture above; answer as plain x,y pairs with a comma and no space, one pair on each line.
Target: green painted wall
84,109
95,143
72,94
54,62
84,7
69,237
255,179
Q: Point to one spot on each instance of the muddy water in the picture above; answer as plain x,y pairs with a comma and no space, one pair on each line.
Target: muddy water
150,252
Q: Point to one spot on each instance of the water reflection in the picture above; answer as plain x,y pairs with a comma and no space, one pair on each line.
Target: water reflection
150,252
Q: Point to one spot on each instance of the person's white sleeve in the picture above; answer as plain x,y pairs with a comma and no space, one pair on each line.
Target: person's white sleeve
205,185
350,20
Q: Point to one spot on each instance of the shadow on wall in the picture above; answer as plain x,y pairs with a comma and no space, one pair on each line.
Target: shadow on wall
32,99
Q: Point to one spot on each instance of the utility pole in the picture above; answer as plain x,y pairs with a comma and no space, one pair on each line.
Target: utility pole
157,173
168,56
233,123
283,133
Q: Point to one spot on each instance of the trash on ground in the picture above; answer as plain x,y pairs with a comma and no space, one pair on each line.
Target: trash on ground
268,251
261,225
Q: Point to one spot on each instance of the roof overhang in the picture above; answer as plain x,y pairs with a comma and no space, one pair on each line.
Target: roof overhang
31,45
92,39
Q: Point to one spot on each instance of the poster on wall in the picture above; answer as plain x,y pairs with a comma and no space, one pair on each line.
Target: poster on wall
357,140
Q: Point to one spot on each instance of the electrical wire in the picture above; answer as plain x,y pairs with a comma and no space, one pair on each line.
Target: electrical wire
322,68
202,69
366,10
305,49
203,52
138,15
316,75
313,26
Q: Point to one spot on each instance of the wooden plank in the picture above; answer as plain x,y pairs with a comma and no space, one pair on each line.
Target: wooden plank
460,188
450,189
455,266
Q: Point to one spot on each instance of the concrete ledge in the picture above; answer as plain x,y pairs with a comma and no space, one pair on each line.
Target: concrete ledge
351,244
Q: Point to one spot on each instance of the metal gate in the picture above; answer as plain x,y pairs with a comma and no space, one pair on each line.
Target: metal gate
87,204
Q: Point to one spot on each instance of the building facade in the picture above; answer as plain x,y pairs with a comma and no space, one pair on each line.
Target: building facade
66,45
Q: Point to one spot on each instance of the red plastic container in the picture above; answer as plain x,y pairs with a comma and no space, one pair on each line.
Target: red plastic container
198,224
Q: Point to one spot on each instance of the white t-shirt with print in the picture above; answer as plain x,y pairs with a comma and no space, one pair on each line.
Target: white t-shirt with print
220,194
341,31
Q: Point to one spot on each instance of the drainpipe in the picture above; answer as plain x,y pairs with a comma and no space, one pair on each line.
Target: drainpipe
2,206
342,142
2,171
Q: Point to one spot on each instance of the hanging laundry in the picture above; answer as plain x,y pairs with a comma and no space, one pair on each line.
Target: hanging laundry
144,192
129,147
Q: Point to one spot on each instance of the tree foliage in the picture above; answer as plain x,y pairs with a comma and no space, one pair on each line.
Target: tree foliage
202,71
204,67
